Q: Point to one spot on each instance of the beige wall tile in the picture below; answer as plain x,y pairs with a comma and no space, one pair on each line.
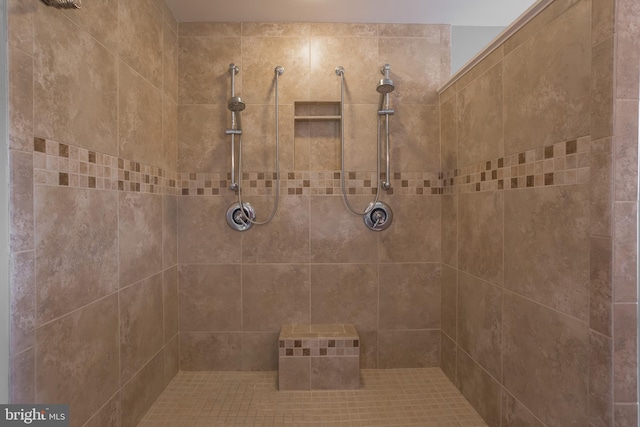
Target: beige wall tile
558,393
140,236
70,106
210,29
335,373
408,349
601,187
139,394
141,325
602,88
479,323
600,380
108,415
77,359
260,351
479,388
449,304
333,29
169,18
275,29
171,359
345,293
78,263
169,231
628,58
449,133
169,134
428,31
274,295
626,415
602,20
202,145
368,349
100,19
21,208
625,267
170,299
20,100
140,42
294,373
514,414
23,301
449,220
549,226
361,139
448,357
601,291
547,83
210,351
170,62
625,359
625,154
324,147
210,297
478,70
480,235
410,296
23,386
414,139
20,25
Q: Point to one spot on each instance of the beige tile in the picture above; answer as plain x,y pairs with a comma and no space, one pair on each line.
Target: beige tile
140,236
323,146
140,118
449,310
77,359
169,231
479,388
210,297
170,303
414,139
20,100
171,359
100,19
625,155
170,62
203,69
549,226
602,20
403,241
139,394
558,393
78,263
357,56
203,233
285,238
23,301
602,88
273,295
260,351
335,373
345,293
628,59
108,416
600,187
449,239
141,328
368,349
600,298
260,56
430,32
480,322
514,414
344,239
170,134
206,351
479,69
626,415
21,207
23,385
625,268
448,357
340,29
202,145
20,25
480,235
140,42
600,380
410,296
547,83
625,347
275,29
480,118
408,349
69,107
294,373
361,139
167,14
449,134
210,29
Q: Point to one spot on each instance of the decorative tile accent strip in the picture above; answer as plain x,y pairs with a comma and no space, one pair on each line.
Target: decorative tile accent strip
318,340
564,163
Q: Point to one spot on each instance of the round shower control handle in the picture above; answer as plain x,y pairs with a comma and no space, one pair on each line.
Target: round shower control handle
378,216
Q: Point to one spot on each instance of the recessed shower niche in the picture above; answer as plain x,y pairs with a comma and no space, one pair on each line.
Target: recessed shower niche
317,135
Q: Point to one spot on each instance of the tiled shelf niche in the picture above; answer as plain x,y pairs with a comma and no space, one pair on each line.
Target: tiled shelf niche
317,110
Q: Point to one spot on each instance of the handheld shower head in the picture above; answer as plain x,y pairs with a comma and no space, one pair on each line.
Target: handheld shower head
235,104
386,84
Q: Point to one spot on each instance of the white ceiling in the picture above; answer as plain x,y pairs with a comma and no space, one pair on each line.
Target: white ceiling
495,13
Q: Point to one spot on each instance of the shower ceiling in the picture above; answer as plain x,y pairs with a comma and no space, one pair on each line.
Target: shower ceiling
496,13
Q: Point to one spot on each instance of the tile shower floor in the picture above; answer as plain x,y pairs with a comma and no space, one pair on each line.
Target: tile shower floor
390,397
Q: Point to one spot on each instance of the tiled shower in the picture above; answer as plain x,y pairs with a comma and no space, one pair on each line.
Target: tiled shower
510,264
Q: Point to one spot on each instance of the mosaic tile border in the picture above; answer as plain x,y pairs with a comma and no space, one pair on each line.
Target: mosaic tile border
563,163
319,347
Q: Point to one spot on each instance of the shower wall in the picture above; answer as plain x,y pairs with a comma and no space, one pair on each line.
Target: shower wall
315,262
539,213
93,110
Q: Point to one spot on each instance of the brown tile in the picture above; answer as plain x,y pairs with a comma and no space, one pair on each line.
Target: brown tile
335,373
602,88
21,207
408,349
140,236
23,386
600,305
626,150
77,359
109,415
210,297
169,134
600,187
294,373
169,231
558,393
409,296
70,107
206,351
170,62
23,299
285,239
549,226
625,274
144,388
480,235
273,295
626,415
479,388
20,100
480,322
141,326
402,241
514,414
83,254
625,347
170,303
449,301
600,380
171,359
448,357
260,351
602,20
368,349
628,58
449,218
333,302
449,133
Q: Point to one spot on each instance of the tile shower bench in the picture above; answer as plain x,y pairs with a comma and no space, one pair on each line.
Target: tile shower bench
319,357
